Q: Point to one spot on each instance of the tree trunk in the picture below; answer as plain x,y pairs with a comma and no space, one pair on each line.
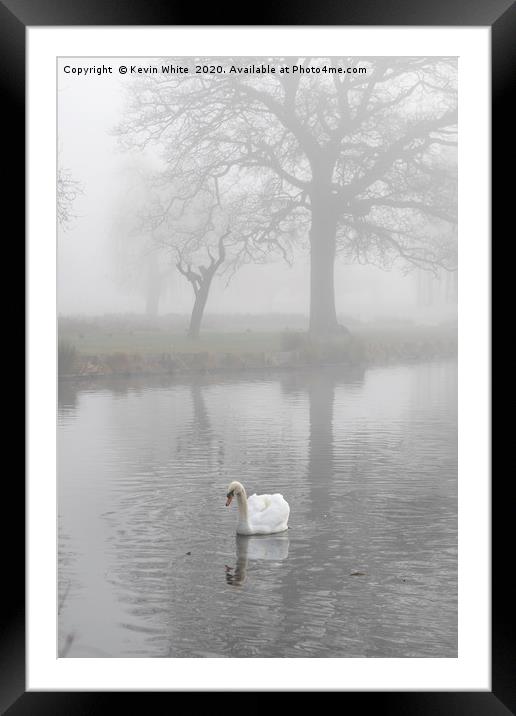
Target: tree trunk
198,310
323,316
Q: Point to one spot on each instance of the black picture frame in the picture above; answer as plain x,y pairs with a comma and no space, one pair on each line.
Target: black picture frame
15,17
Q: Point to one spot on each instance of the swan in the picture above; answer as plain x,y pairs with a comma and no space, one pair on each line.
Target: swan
260,514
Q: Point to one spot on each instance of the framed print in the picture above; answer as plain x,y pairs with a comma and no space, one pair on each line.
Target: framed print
243,253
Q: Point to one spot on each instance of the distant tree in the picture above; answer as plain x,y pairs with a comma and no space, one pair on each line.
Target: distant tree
67,191
364,159
140,263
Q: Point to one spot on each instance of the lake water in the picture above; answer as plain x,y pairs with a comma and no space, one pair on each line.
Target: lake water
149,563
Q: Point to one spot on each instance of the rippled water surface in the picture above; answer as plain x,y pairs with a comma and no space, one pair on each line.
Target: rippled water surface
149,563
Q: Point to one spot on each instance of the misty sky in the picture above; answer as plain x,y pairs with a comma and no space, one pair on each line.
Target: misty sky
88,108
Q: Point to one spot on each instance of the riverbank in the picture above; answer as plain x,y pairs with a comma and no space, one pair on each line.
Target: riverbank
90,350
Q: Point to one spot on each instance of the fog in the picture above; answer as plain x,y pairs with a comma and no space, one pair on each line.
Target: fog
258,282
89,269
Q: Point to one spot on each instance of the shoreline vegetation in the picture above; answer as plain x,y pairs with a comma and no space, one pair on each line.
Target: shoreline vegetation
132,346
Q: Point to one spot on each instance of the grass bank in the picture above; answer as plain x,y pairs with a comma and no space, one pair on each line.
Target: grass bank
89,348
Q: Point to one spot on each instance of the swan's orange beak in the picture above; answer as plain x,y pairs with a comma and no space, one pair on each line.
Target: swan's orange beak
228,501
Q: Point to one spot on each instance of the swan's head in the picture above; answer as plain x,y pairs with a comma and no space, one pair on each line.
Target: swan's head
234,488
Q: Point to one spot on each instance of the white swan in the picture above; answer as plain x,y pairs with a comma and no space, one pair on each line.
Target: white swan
260,514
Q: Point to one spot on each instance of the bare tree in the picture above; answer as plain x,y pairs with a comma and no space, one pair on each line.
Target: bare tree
200,279
67,191
363,158
194,226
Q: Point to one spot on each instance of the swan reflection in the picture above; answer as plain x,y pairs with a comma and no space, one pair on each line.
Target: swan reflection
271,548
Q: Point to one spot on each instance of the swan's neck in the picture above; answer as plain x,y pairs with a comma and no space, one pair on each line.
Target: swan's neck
242,506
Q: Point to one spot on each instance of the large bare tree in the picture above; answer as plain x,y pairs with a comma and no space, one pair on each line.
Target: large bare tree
363,160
